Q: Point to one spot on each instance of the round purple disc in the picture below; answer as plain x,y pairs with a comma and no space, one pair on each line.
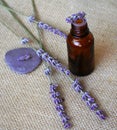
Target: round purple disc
22,60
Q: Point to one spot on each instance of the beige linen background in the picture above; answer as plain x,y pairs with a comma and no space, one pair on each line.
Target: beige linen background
25,102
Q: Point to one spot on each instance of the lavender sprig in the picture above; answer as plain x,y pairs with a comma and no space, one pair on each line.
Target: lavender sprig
53,62
89,100
74,17
16,18
51,29
56,98
31,19
25,40
47,27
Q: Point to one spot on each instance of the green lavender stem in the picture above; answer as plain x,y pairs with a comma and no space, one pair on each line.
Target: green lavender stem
21,23
8,27
10,9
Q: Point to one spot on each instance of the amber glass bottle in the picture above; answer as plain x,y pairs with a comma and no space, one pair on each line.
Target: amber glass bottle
80,46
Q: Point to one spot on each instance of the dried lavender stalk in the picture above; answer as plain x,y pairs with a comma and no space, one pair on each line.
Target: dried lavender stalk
53,62
74,17
56,97
47,27
89,100
57,100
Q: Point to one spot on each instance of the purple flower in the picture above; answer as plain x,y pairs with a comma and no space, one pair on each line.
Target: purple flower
77,86
45,56
67,72
25,40
40,52
47,71
53,87
58,105
51,29
31,19
101,114
94,106
69,19
65,120
55,94
67,125
74,17
85,96
55,63
57,100
90,101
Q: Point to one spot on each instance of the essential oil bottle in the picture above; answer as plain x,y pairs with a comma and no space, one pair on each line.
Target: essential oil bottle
80,46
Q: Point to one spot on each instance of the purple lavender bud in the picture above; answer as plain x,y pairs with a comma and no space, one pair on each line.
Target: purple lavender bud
59,107
78,88
55,94
74,17
50,59
58,65
61,113
68,20
40,24
88,103
94,106
45,56
67,125
45,26
76,81
67,72
31,19
56,31
58,101
47,71
91,100
85,96
81,14
50,29
101,114
39,52
53,87
65,120
24,40
54,62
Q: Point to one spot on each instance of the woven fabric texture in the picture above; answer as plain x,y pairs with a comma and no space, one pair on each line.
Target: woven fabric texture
25,102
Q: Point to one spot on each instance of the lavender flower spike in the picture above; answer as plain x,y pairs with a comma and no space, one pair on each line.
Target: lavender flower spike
51,29
74,17
25,40
90,102
56,97
31,19
53,62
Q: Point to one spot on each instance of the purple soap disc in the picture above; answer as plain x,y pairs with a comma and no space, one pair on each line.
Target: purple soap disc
22,60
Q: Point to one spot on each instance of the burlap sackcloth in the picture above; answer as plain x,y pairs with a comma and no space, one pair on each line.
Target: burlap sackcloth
25,102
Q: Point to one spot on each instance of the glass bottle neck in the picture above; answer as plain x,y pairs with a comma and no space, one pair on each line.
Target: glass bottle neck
79,28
